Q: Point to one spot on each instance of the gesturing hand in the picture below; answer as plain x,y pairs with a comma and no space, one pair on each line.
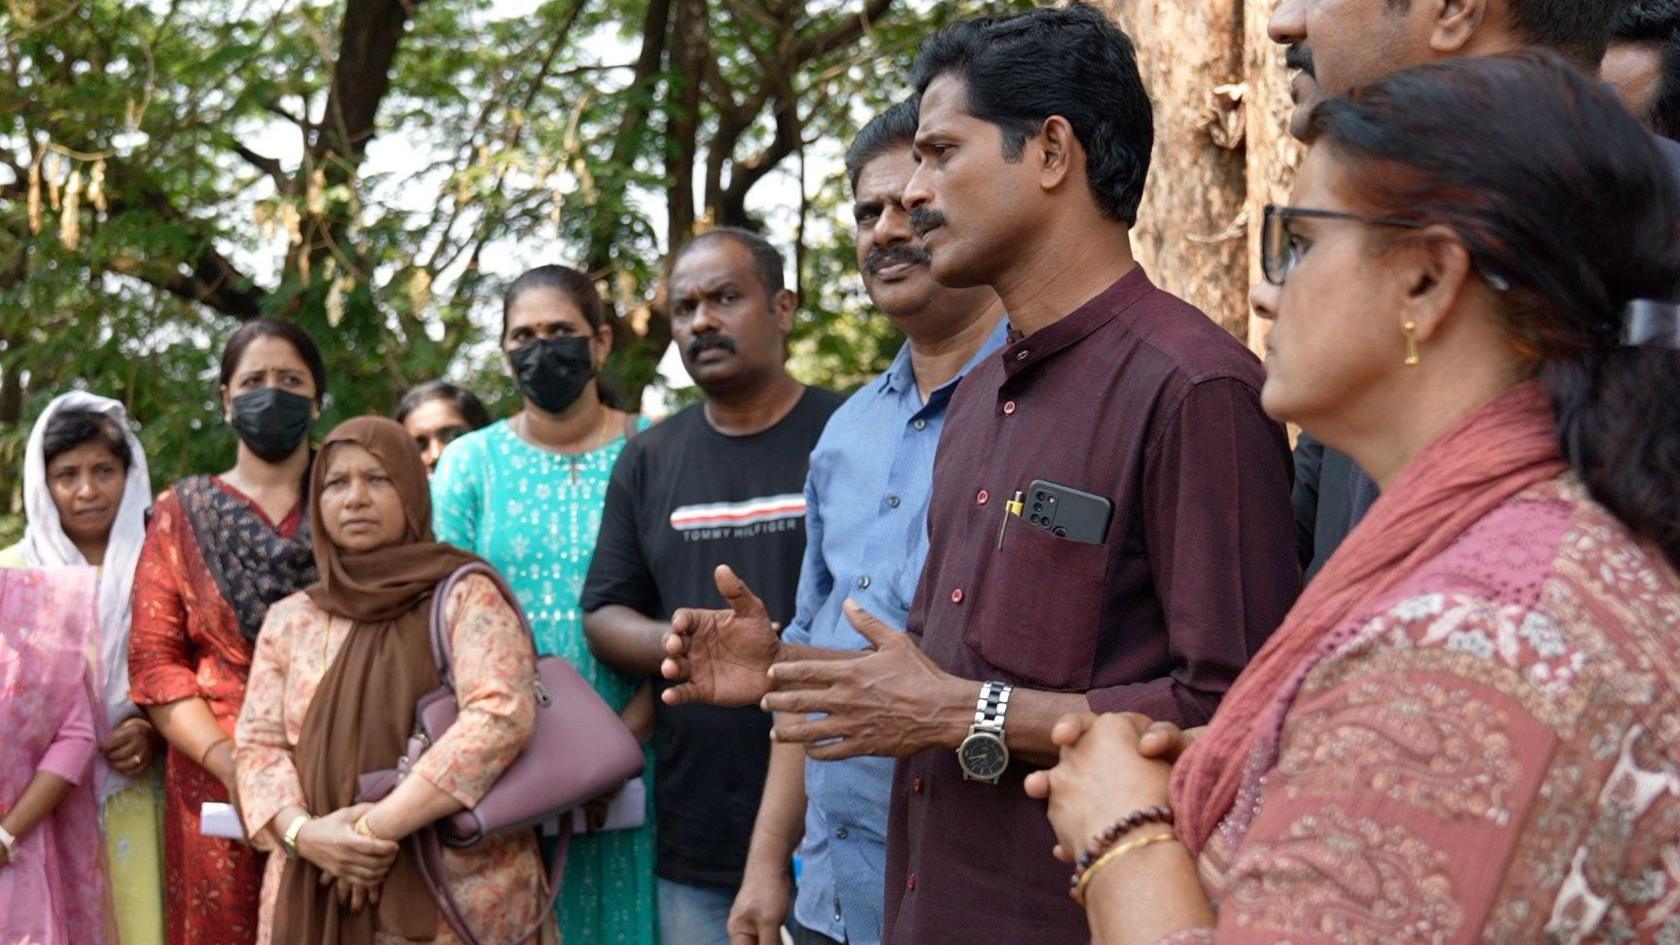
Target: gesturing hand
332,843
893,702
1101,778
129,749
721,656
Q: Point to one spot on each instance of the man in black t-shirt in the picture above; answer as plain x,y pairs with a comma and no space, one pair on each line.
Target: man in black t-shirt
721,481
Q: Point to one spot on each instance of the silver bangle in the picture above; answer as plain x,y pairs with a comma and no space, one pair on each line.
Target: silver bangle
9,842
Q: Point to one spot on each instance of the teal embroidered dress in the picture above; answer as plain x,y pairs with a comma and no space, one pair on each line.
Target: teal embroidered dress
534,514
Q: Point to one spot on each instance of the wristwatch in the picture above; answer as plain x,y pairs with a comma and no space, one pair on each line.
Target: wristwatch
288,840
983,754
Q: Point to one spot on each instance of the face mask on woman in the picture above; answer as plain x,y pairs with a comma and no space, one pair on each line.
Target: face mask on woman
272,422
553,371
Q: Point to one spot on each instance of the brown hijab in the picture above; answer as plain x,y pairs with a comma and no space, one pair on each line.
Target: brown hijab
363,711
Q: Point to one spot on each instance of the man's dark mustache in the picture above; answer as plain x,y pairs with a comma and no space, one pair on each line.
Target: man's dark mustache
707,342
1300,57
924,220
882,257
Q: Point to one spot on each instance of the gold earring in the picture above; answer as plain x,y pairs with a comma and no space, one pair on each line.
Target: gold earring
1412,359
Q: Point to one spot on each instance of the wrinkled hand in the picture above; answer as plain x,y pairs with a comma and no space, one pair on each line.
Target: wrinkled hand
892,703
595,809
760,908
1101,778
131,745
332,843
721,656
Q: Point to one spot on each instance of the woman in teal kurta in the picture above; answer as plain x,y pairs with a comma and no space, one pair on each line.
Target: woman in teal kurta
526,494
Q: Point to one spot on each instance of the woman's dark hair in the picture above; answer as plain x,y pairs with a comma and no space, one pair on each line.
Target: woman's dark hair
299,339
69,429
1555,189
580,289
1656,24
1073,62
465,402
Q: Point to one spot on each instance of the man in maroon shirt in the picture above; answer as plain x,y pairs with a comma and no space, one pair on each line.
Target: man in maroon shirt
1110,528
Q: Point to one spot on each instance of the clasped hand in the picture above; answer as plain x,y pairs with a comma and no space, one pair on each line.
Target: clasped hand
1111,765
357,864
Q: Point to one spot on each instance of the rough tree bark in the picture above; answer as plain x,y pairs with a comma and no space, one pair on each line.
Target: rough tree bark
1273,155
1190,230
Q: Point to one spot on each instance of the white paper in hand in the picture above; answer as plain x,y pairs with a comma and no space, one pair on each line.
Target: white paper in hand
216,819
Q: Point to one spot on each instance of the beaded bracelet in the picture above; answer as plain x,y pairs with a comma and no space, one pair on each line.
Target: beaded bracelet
1125,825
1083,878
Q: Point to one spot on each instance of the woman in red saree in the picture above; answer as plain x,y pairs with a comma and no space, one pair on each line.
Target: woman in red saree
1468,729
219,551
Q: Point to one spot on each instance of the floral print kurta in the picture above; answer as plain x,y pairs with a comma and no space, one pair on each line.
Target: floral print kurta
498,883
1493,755
186,643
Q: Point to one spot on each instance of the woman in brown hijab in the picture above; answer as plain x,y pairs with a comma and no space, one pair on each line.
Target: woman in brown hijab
337,672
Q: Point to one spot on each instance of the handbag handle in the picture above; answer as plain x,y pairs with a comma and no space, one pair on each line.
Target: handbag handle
428,853
442,651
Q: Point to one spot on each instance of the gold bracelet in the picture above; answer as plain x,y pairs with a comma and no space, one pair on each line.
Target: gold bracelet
366,829
205,755
1130,846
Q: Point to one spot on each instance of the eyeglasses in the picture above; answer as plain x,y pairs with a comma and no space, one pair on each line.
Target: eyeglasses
1279,254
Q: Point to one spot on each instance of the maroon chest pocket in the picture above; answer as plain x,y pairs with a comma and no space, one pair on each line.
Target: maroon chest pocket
1038,610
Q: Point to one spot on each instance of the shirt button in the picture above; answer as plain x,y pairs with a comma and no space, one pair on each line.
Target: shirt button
1022,354
916,786
919,424
841,833
957,596
892,501
863,581
1009,408
983,497
910,884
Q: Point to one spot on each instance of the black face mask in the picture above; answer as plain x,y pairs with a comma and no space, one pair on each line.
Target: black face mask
553,371
272,422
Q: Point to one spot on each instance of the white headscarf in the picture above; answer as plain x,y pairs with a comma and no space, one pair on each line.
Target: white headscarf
45,545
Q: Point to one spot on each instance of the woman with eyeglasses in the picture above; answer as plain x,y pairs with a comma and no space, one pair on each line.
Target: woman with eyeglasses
1465,731
220,549
526,494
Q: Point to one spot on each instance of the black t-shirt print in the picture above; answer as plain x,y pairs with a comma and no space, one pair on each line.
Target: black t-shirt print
683,499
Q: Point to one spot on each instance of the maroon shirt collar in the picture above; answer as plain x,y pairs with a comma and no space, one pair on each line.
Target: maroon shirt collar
1024,351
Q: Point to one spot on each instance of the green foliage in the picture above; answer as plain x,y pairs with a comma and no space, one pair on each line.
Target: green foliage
375,169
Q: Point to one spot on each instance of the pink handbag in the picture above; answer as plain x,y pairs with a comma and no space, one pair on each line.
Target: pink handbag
580,750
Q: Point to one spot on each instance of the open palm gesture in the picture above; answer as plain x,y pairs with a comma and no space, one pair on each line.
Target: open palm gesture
721,657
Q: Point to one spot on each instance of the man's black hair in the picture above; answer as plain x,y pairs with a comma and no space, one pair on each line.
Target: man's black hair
892,129
1656,23
767,260
1578,29
1073,62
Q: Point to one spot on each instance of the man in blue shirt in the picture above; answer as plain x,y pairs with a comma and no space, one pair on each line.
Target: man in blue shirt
866,537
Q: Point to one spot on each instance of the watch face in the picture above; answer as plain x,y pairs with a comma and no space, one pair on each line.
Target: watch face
983,755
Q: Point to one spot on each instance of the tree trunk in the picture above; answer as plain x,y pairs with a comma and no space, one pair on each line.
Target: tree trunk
1190,229
1273,155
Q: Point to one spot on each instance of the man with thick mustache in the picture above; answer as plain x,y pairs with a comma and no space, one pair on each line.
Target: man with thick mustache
1338,45
866,537
721,481
1109,524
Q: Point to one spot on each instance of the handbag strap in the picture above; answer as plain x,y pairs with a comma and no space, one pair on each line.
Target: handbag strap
442,650
429,855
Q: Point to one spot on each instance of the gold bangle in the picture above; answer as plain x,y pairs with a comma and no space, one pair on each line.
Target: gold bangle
1129,846
204,756
366,829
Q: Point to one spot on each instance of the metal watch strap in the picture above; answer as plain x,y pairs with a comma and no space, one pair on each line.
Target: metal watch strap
990,710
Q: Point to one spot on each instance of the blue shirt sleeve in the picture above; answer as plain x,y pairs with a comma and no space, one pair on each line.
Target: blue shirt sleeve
816,582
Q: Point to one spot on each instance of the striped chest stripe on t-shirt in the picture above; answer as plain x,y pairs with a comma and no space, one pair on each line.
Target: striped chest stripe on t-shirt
736,514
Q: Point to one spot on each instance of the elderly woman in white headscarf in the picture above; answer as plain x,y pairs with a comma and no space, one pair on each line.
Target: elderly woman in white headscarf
86,491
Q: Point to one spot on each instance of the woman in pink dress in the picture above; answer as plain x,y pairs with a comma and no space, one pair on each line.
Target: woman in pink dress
52,886
1468,728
